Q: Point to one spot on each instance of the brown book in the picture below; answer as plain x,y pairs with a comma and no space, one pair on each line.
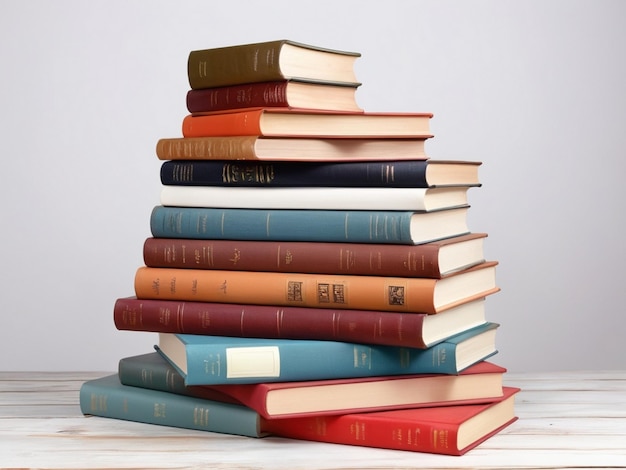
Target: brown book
289,149
267,61
284,122
432,260
412,330
400,294
283,93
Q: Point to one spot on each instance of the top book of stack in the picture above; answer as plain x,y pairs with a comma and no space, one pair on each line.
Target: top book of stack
269,61
279,73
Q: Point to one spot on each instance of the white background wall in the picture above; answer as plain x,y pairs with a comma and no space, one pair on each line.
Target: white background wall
534,89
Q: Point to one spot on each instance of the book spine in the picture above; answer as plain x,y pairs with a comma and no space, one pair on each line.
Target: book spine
282,225
296,360
263,321
223,124
153,372
210,68
294,289
235,148
270,174
369,431
269,94
308,257
107,397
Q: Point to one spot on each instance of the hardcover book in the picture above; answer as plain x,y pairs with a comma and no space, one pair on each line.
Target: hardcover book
393,227
281,94
411,330
255,148
399,294
213,360
107,397
431,260
448,430
479,383
414,173
282,122
266,61
329,198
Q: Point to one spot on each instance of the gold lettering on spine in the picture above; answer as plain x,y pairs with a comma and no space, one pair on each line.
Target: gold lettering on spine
159,410
201,416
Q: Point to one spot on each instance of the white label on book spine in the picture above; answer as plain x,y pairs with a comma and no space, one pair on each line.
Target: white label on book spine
262,361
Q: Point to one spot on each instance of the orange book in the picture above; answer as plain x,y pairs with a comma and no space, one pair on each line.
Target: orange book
401,294
283,122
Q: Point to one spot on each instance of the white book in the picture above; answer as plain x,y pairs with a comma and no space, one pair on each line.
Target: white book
326,198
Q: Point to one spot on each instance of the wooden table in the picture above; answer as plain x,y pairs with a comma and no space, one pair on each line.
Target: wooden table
567,420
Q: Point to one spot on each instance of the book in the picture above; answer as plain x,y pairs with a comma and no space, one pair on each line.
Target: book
213,360
267,61
396,294
368,174
329,198
432,260
284,122
479,383
298,149
280,94
392,227
414,330
107,397
448,430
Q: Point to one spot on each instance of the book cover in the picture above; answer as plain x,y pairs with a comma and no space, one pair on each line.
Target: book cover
283,122
213,360
479,383
411,330
430,260
448,430
328,198
108,397
393,227
270,60
398,294
289,149
368,174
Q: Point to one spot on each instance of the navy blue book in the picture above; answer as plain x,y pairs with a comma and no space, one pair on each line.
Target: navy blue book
212,360
393,174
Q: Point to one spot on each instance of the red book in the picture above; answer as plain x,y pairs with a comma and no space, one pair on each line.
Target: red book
412,330
430,260
449,430
281,122
282,93
480,383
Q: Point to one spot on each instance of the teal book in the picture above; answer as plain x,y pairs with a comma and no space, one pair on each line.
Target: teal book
109,398
212,360
353,226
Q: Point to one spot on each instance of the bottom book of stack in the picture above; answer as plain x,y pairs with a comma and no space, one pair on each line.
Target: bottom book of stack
436,413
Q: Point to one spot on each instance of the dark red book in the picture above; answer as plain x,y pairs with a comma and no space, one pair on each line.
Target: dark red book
282,94
414,330
449,430
431,260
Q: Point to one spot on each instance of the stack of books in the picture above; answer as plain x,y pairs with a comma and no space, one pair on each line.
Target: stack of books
311,273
